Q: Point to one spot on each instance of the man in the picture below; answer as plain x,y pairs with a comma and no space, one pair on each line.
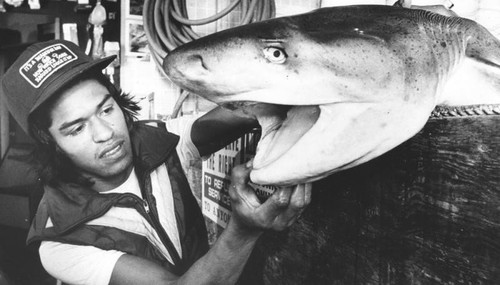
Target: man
117,208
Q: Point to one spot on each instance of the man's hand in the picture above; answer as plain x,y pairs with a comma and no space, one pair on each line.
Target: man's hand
277,213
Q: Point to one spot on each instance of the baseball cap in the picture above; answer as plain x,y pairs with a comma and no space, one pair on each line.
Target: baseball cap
40,72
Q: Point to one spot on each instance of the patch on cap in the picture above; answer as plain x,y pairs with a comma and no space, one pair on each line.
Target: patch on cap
45,62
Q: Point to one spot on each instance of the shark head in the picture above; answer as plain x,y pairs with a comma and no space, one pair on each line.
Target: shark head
331,89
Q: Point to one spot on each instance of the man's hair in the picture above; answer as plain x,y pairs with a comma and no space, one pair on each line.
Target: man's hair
51,163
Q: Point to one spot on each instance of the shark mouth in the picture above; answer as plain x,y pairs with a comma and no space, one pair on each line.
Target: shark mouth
282,126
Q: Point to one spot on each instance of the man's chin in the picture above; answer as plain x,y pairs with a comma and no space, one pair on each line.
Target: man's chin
109,177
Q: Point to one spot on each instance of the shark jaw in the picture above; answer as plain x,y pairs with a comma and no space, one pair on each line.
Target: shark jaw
280,134
305,143
282,126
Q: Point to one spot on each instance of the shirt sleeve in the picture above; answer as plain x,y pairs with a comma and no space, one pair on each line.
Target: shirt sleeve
77,264
186,149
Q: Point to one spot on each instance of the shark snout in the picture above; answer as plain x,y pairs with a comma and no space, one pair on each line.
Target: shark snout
181,66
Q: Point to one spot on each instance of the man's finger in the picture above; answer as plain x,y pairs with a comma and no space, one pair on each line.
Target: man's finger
240,174
239,190
300,198
274,206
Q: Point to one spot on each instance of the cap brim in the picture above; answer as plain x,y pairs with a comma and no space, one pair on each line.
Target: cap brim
59,82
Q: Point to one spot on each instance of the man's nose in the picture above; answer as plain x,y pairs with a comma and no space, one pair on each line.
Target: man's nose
102,130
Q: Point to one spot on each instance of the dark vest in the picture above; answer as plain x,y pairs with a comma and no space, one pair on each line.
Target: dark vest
69,206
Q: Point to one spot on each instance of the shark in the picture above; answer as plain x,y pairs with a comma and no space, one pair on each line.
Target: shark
337,87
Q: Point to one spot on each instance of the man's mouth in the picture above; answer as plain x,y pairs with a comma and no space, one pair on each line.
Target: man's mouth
111,150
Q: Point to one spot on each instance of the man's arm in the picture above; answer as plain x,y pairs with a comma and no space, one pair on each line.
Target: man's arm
219,127
224,262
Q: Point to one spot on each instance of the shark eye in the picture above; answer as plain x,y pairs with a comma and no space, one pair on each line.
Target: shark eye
275,55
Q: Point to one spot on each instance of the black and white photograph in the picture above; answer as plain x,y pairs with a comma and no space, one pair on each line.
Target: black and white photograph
250,142
136,41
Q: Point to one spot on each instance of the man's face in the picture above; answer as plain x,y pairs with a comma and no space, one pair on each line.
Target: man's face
90,128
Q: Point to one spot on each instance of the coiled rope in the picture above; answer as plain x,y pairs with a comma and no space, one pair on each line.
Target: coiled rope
167,26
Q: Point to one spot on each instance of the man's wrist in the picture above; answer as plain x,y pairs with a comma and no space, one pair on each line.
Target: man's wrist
240,230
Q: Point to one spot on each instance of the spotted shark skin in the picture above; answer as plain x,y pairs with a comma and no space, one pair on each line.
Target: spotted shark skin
339,86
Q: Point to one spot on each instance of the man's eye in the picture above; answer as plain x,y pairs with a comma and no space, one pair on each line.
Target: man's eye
76,130
108,110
